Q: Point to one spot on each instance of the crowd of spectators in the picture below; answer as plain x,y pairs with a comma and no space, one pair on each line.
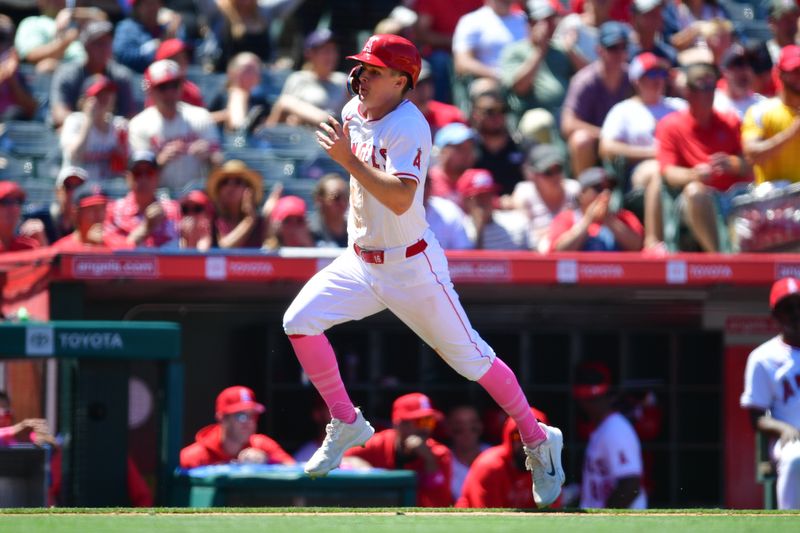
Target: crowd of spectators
599,125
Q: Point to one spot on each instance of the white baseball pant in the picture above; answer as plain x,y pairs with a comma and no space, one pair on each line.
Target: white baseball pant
417,290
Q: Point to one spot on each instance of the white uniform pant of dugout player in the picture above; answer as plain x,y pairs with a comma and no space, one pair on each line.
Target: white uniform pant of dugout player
417,290
787,459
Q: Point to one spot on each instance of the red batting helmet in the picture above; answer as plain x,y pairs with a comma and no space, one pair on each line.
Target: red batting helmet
391,51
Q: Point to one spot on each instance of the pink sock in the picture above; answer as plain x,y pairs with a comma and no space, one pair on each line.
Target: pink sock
319,362
502,385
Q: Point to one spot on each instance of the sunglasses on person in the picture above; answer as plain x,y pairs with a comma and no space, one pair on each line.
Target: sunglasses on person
600,187
620,47
656,74
71,184
552,171
238,181
336,196
702,86
293,220
491,111
10,202
427,423
243,417
192,209
169,86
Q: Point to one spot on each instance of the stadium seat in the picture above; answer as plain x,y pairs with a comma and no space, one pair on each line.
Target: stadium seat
33,140
13,167
272,83
677,236
269,166
316,168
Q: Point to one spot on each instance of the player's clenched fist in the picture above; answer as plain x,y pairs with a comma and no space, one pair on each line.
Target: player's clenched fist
335,140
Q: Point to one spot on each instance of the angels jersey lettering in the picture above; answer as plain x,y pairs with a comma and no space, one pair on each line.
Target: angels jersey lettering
399,144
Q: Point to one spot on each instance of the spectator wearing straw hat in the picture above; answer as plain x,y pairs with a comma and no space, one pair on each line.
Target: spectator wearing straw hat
233,438
237,191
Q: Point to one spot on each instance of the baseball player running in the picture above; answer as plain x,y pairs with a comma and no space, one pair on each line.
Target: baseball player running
393,261
772,383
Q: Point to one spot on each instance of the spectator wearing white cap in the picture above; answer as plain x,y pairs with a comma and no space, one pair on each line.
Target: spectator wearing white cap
94,138
68,78
627,138
184,137
454,149
537,70
51,222
648,27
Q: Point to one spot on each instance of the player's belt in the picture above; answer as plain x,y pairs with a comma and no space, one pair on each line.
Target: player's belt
379,257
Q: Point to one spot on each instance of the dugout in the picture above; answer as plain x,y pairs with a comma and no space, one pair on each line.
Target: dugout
93,388
678,327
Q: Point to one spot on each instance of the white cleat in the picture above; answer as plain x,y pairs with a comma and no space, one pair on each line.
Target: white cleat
339,437
544,462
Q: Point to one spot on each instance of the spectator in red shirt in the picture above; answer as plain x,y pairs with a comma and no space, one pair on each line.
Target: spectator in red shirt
140,217
699,151
90,202
454,147
593,226
176,50
408,446
436,113
497,477
12,197
233,438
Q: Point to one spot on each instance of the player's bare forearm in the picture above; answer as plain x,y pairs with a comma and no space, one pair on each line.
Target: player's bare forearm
395,193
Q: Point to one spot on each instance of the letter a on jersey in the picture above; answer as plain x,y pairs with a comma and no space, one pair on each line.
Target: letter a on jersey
418,160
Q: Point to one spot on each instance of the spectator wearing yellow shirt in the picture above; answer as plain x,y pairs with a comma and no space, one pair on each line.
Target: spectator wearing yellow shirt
771,129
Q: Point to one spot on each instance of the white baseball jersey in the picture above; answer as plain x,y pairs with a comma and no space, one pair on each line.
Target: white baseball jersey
149,130
613,453
772,381
399,144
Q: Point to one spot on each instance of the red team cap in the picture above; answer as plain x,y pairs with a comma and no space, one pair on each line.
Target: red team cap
286,207
781,289
475,181
169,49
96,84
789,58
237,399
592,379
163,71
392,51
10,189
412,407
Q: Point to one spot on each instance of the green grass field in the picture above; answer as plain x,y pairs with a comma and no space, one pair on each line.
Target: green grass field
298,520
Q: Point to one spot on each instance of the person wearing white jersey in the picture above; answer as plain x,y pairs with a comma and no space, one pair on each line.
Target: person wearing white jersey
183,137
393,261
612,465
772,389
